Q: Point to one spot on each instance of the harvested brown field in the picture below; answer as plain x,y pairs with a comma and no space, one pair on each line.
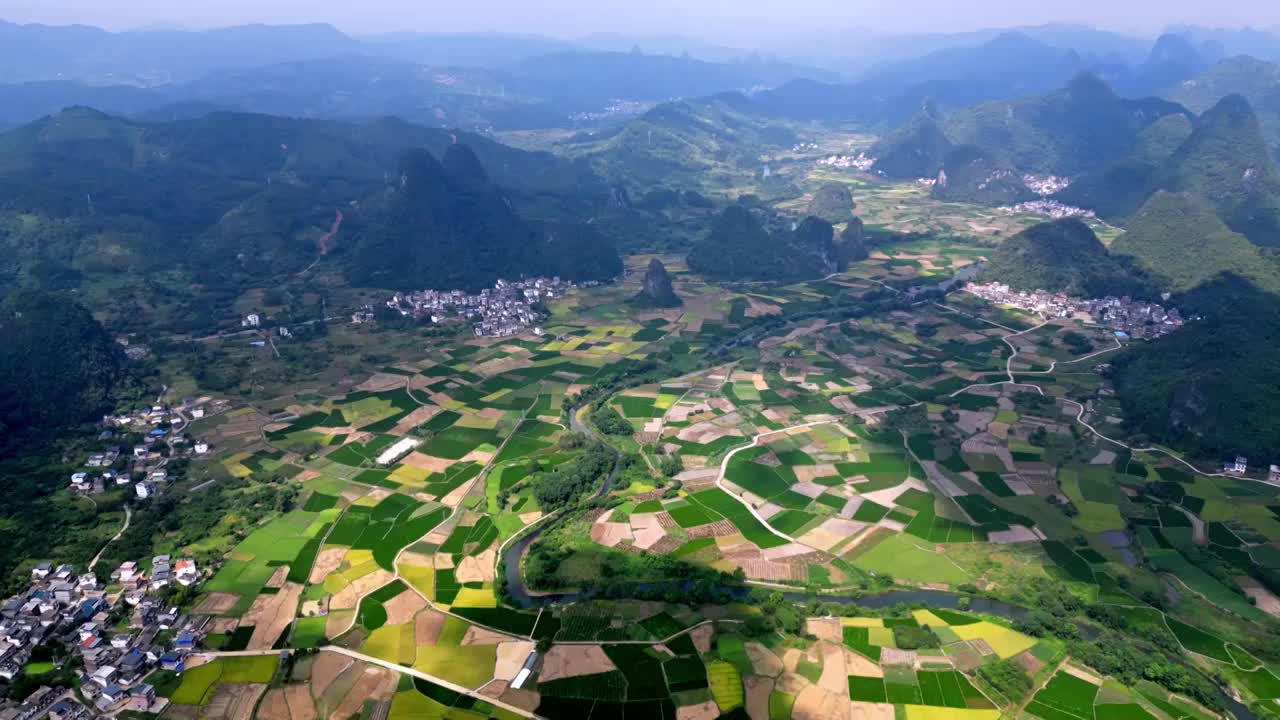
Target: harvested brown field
414,419
217,603
233,702
763,661
366,687
758,690
426,627
274,616
401,608
427,462
381,381
511,657
835,678
327,561
870,711
523,699
564,661
274,706
814,703
477,635
1028,662
301,706
278,577
701,637
828,629
478,568
223,625
349,597
327,666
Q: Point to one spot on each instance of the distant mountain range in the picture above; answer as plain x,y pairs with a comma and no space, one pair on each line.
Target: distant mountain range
519,81
231,200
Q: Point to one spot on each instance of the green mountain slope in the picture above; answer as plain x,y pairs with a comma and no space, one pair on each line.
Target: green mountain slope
1256,80
58,366
212,205
1227,162
1061,256
708,142
1180,242
916,150
1081,127
738,247
1211,388
1118,190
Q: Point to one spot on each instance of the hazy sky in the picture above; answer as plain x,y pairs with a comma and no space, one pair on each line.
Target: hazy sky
709,18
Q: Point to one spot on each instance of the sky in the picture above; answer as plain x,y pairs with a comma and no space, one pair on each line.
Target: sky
711,19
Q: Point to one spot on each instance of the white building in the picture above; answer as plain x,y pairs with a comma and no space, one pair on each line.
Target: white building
397,451
144,490
201,447
252,320
1239,467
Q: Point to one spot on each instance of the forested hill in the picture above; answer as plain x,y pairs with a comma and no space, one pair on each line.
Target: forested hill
445,225
230,200
739,247
58,366
1211,388
1063,256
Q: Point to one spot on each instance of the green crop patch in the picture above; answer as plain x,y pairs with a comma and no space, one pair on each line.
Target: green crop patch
642,668
685,673
867,689
692,516
1065,696
1199,641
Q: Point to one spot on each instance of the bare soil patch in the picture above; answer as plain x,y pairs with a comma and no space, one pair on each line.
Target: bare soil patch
274,706
758,690
401,608
276,615
366,688
326,562
233,702
564,661
349,597
278,577
478,568
427,462
426,628
701,637
828,629
217,603
763,661
477,635
870,711
511,657
814,703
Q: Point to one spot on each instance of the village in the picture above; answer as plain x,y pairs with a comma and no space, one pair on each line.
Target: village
1123,316
159,435
113,634
506,309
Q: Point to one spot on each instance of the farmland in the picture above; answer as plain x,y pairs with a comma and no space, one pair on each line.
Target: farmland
873,447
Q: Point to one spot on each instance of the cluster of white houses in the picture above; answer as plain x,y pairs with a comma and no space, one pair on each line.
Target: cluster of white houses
1124,316
157,430
501,311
